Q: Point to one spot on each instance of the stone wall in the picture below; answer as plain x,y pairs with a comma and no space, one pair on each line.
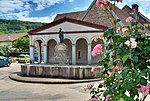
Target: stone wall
54,71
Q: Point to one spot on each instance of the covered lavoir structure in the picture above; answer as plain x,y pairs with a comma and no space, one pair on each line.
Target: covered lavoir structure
80,29
78,37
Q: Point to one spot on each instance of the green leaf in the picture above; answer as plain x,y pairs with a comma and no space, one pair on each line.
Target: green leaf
135,91
135,74
116,21
144,72
128,85
138,80
100,86
135,59
143,81
125,57
106,93
109,32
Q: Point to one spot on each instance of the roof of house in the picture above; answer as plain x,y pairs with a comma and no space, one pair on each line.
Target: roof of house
65,19
73,15
13,37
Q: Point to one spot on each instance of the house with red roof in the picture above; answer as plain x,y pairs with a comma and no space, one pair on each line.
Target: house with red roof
9,39
80,29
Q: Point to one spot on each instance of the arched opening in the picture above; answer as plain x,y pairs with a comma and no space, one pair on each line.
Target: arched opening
51,49
38,51
68,43
81,51
95,59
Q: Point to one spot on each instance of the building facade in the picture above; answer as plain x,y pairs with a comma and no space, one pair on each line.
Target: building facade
9,39
78,37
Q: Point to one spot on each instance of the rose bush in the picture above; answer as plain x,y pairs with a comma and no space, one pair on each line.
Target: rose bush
125,61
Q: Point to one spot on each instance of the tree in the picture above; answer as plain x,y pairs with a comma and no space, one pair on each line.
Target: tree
5,51
22,44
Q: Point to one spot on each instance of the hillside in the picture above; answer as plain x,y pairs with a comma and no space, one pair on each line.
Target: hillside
16,26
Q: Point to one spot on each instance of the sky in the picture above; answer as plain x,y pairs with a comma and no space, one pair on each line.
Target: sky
46,10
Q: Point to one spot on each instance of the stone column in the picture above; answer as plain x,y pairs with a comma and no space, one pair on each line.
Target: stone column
73,54
39,53
89,54
45,53
31,54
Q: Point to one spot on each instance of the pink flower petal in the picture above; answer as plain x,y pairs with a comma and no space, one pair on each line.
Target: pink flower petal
93,99
108,97
129,19
97,50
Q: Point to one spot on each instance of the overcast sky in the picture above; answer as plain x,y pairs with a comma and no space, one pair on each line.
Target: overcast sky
46,10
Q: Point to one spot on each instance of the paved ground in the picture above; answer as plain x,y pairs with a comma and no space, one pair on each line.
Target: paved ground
17,91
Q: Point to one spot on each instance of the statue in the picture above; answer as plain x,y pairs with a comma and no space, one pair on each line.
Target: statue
61,35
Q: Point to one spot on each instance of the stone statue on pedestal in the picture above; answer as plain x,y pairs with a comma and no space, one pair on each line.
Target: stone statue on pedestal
60,54
61,35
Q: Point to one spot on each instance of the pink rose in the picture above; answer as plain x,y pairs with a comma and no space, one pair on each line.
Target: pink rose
89,86
106,75
133,44
102,36
105,1
103,6
102,3
118,68
119,0
98,3
132,39
127,43
129,19
93,69
97,50
110,73
108,97
96,39
93,99
145,90
124,30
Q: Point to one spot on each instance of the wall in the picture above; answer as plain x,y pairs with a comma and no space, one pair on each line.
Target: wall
6,44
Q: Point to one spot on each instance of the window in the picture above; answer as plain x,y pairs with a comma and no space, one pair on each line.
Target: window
79,54
1,59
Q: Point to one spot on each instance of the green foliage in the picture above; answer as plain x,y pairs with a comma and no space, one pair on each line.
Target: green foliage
5,51
22,44
132,60
16,26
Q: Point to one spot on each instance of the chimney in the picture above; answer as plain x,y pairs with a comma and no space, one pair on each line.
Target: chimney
135,10
9,37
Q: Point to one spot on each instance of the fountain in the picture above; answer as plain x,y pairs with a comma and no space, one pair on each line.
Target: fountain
60,70
60,54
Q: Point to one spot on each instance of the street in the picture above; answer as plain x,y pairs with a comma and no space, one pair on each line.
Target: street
11,90
18,91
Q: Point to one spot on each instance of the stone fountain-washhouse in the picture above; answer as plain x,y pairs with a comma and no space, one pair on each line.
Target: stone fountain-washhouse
60,70
78,40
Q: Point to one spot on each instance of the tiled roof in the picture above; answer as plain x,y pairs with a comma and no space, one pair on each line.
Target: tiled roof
65,19
73,15
13,37
97,15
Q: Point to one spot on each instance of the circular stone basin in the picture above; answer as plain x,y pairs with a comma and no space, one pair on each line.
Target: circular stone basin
52,71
